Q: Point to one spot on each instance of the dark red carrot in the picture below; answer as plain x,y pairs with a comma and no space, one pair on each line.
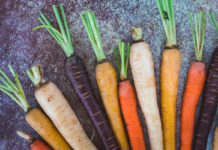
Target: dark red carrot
128,101
194,84
36,144
78,76
209,107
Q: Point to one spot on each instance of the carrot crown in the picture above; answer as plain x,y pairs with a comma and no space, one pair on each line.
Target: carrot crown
92,30
214,20
63,38
136,33
36,75
198,33
167,15
122,62
14,90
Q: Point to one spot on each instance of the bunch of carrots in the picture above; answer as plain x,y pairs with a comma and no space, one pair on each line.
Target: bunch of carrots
61,129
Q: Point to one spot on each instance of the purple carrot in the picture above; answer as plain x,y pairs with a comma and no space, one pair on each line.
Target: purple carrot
210,101
78,76
79,79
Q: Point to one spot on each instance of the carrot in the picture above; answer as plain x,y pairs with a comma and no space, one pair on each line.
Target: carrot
210,101
169,75
194,84
36,144
78,77
59,111
215,140
142,66
35,117
128,100
106,80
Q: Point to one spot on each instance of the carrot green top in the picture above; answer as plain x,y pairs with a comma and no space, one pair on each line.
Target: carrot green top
167,15
63,38
198,33
14,90
92,30
122,63
214,20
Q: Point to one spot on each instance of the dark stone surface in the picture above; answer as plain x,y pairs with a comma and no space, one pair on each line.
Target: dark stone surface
21,47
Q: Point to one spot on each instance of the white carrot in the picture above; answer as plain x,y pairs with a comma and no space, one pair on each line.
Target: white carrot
142,66
57,108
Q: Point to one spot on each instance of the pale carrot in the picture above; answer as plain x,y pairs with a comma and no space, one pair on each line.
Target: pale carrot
142,66
59,111
215,140
34,116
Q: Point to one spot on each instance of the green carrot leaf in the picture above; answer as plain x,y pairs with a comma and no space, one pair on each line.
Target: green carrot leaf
63,38
198,33
92,30
214,20
14,91
122,62
117,59
167,15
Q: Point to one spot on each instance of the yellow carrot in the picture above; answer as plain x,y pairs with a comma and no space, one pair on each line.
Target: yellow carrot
170,67
106,80
169,75
107,83
35,117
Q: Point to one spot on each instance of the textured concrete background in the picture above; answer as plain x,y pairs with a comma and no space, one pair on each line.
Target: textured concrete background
21,47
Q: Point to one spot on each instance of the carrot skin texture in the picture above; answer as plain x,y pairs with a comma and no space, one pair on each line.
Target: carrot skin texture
169,77
142,67
58,109
39,145
215,140
209,106
129,109
79,79
107,83
45,128
194,87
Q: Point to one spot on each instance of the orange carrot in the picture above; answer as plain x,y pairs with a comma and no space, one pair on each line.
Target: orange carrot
194,87
128,101
39,145
35,144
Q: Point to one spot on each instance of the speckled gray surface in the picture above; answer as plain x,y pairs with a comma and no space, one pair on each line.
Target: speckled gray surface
21,47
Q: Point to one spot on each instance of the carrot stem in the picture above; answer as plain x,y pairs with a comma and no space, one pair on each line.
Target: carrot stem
198,33
91,27
14,90
63,38
214,20
167,15
122,63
